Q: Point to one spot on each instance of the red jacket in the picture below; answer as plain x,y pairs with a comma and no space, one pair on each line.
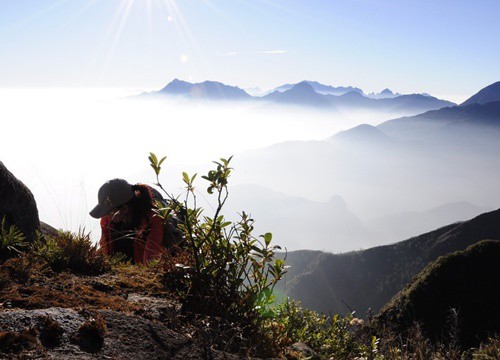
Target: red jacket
144,249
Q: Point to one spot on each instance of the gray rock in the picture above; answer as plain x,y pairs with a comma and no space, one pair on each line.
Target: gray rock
305,351
17,204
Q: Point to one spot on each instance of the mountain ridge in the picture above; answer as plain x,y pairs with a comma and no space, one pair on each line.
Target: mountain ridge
485,95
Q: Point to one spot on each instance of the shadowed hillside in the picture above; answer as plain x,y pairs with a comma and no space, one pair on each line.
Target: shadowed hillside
369,278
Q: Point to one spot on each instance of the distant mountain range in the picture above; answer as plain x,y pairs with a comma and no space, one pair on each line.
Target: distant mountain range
370,278
307,93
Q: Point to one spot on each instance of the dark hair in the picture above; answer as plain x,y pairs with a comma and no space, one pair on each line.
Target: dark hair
141,204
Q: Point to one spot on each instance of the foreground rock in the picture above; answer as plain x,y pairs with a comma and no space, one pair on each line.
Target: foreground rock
126,337
17,204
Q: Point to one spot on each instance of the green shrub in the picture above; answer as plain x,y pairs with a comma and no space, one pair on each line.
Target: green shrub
12,241
72,252
330,336
228,272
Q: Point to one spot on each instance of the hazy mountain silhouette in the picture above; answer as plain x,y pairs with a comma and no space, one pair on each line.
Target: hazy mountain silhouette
392,168
387,93
300,94
370,278
384,94
363,133
321,88
465,282
307,93
486,95
212,90
403,225
414,103
300,220
432,122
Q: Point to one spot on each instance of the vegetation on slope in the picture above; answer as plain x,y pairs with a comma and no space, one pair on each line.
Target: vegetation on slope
458,292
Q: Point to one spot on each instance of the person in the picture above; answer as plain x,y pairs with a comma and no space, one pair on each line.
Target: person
129,224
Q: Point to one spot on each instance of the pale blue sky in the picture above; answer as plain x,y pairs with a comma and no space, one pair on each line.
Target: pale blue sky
448,48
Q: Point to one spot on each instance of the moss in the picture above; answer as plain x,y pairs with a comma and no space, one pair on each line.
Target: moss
12,342
50,332
91,334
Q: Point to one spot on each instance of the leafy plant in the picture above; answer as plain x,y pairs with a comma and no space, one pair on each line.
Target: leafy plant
72,252
229,273
12,241
330,336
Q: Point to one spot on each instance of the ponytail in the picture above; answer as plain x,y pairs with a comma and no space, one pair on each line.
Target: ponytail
141,204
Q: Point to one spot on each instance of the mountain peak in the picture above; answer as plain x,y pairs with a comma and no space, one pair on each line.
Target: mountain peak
488,94
301,94
386,92
177,86
303,86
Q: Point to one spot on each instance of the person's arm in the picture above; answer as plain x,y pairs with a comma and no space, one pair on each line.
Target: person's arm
105,242
153,247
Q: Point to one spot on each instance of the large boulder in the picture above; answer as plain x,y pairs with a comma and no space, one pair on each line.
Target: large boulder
17,204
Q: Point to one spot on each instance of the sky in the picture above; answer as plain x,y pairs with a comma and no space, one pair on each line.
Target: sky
446,48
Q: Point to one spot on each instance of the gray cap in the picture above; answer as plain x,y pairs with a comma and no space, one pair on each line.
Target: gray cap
112,194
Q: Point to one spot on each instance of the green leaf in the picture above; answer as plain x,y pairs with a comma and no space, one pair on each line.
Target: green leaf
224,224
153,158
267,238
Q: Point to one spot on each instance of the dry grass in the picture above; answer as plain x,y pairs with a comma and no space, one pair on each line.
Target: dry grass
43,290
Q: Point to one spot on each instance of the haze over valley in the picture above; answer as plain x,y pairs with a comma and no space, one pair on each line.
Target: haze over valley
336,178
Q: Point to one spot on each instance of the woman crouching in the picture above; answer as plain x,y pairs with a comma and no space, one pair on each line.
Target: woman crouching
129,224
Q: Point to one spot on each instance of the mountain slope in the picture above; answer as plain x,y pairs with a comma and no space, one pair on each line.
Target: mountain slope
486,95
369,278
466,281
